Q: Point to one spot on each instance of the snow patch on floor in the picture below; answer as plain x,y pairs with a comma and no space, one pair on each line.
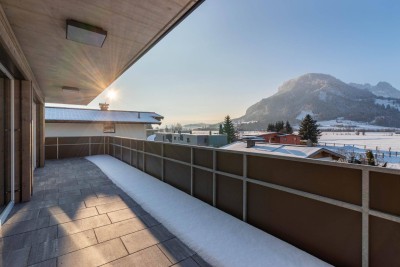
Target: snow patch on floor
217,237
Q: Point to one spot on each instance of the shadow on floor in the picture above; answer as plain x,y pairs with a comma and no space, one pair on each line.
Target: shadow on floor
78,217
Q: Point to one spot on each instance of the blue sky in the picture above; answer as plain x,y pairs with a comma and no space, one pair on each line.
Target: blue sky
229,54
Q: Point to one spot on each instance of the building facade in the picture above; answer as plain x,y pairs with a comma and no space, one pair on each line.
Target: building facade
64,122
192,139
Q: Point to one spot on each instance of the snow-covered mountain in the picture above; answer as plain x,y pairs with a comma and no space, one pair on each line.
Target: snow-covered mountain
383,89
326,98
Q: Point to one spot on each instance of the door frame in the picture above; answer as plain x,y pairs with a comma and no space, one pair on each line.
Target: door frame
10,205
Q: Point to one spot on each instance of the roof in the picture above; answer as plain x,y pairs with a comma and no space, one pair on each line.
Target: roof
56,114
280,150
133,27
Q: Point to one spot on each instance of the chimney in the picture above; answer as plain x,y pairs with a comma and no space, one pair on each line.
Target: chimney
250,143
103,106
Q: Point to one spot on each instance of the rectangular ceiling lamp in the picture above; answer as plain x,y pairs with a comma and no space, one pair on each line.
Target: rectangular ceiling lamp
85,33
70,90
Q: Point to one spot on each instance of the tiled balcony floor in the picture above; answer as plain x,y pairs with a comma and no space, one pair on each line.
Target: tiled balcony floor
78,217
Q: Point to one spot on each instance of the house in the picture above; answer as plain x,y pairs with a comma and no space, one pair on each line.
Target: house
338,212
215,140
101,122
281,138
319,153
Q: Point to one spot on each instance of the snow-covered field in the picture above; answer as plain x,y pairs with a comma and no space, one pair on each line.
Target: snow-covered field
371,140
350,142
340,124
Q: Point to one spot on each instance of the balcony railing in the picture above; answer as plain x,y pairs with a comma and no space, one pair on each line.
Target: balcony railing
345,214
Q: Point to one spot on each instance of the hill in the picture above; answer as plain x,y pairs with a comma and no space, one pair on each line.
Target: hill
326,98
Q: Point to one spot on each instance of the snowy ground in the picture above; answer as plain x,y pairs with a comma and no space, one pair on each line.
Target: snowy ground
219,238
350,142
371,140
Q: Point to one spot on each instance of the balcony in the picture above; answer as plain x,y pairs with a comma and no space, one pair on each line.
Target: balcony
343,214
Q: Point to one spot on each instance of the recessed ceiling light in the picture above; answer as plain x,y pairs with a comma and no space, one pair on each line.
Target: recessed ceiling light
70,90
85,33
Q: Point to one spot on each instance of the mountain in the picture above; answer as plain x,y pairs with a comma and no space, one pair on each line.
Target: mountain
383,89
326,98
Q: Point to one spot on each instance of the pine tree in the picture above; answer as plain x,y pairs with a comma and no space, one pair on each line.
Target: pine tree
288,128
229,129
271,127
279,126
309,129
221,130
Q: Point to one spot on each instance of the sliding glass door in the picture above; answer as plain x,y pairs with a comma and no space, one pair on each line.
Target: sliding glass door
7,157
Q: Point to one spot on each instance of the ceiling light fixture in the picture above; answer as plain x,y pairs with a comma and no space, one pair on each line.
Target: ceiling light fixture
84,33
70,90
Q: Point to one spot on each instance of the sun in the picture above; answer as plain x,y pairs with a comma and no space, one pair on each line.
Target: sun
111,95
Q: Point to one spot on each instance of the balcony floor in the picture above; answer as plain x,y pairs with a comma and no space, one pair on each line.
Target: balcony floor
78,217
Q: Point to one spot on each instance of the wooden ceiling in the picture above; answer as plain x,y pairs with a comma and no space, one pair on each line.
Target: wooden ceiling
133,27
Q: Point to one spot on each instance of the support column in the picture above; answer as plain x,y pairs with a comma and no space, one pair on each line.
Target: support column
26,140
41,137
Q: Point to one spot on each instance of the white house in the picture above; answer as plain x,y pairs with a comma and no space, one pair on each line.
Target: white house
61,122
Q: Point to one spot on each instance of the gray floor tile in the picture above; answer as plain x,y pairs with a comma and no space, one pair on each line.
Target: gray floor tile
95,255
175,250
151,256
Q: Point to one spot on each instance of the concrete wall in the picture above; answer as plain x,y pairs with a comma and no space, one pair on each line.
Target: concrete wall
94,129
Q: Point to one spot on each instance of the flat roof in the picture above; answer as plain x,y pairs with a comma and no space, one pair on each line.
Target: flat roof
71,115
279,149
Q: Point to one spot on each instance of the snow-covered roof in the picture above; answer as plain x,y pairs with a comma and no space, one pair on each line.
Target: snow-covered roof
280,150
57,114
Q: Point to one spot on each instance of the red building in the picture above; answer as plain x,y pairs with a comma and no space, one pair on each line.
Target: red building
280,138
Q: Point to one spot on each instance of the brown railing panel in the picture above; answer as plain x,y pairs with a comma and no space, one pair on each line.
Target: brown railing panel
385,192
111,140
73,140
96,149
384,242
177,175
230,195
140,145
203,157
134,160
140,162
133,144
51,141
153,148
177,152
73,151
117,152
97,139
230,162
126,142
50,152
203,185
126,155
329,181
329,232
153,166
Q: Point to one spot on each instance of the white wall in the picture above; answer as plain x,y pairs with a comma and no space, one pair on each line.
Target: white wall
94,129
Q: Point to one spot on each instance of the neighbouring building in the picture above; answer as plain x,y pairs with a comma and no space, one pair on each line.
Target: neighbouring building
216,140
319,153
61,122
281,138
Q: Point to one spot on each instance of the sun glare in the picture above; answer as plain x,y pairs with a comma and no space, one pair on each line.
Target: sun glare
111,95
